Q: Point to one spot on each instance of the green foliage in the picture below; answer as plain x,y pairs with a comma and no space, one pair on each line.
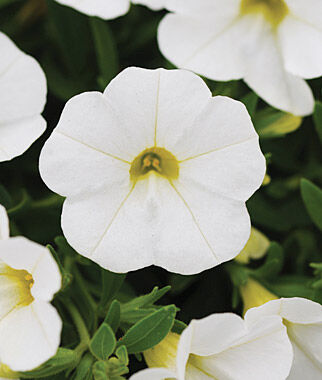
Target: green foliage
103,342
149,331
312,197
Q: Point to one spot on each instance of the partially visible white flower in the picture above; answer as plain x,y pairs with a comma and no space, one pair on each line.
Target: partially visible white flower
30,326
271,44
110,9
22,99
303,319
155,171
221,347
4,224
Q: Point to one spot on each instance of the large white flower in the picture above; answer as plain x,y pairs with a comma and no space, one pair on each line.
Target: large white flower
155,171
303,319
272,44
30,326
223,347
22,99
109,9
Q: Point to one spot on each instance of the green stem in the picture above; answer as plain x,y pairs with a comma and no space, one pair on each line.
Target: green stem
80,326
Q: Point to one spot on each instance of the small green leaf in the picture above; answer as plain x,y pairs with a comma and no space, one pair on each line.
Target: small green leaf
317,116
122,355
103,342
312,197
100,371
113,316
178,327
150,330
250,101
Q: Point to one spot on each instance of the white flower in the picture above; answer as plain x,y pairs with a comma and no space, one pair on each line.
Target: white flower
30,326
109,9
155,171
222,347
271,44
4,224
22,99
303,319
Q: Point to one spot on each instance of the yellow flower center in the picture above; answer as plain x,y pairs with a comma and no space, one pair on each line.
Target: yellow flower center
274,11
157,160
19,280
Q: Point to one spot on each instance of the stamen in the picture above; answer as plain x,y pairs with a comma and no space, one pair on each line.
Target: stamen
274,11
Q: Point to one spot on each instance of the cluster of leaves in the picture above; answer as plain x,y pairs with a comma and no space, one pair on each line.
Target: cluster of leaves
104,318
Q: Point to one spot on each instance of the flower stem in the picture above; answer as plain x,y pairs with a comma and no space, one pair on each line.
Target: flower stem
80,326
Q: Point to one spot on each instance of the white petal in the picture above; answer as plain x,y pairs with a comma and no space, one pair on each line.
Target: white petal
214,334
215,9
29,336
309,11
272,82
154,374
182,97
147,225
22,99
264,353
76,158
21,253
209,48
4,224
183,352
301,45
224,154
295,310
101,8
17,136
156,5
303,367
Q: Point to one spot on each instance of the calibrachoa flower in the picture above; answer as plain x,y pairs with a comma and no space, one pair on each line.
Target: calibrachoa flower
271,44
303,320
22,99
255,248
222,347
155,171
30,326
109,9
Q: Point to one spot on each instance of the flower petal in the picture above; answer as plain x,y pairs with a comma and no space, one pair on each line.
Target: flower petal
227,10
214,334
101,8
272,82
301,45
22,99
4,224
204,46
223,142
154,374
156,5
158,227
295,310
77,157
21,253
307,10
265,349
29,336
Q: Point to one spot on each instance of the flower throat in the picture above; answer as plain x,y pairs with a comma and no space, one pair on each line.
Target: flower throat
274,11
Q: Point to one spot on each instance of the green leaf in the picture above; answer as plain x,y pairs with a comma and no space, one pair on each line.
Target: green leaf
106,52
312,197
178,327
122,355
100,371
84,368
111,283
273,263
271,123
113,316
103,342
317,117
149,331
